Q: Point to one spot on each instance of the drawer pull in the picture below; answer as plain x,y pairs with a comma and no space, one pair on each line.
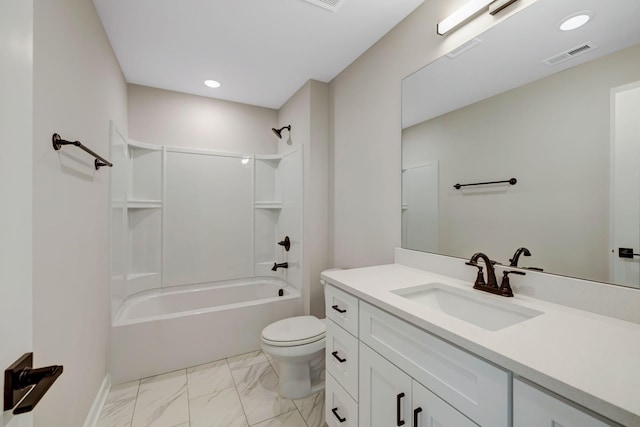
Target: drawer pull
335,412
338,309
335,354
416,412
400,421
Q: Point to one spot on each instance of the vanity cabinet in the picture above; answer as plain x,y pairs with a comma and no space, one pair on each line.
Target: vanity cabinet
533,407
387,368
342,358
390,397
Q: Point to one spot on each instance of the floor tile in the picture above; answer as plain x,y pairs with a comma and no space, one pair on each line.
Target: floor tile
312,409
209,378
221,409
162,401
274,363
119,405
258,389
247,359
290,419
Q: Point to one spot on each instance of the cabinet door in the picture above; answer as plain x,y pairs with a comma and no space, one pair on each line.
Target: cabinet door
429,410
385,392
534,408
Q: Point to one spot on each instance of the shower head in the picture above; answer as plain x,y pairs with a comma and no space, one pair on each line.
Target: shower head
278,132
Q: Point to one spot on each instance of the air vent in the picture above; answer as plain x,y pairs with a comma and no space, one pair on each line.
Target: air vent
332,5
462,49
570,53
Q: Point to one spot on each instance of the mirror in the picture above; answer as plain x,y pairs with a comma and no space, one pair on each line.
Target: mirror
559,111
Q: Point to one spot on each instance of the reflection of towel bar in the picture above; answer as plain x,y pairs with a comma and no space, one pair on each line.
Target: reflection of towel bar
58,142
511,181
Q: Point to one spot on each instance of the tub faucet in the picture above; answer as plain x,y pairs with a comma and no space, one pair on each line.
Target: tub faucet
276,266
491,285
521,251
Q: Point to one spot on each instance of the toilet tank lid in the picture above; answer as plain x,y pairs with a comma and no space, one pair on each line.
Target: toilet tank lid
294,329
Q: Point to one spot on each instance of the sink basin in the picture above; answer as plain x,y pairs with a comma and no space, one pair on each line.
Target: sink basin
464,305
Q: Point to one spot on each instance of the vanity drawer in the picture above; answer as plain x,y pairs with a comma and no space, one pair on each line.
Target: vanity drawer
342,308
474,387
342,357
340,410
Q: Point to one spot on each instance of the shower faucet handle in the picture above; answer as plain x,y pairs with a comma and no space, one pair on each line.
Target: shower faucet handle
286,243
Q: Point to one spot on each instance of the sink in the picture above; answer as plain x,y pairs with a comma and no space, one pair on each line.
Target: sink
464,305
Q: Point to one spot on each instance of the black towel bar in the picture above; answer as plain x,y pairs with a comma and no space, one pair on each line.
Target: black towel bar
58,142
511,181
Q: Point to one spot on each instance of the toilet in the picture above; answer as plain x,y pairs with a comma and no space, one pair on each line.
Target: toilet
297,343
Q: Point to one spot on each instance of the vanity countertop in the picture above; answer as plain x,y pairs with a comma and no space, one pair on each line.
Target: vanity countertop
591,359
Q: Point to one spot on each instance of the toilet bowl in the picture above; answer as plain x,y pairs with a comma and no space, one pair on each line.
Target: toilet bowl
297,344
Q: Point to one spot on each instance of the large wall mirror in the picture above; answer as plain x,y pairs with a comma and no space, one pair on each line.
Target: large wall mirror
559,111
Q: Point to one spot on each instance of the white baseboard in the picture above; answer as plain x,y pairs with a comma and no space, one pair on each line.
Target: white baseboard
98,403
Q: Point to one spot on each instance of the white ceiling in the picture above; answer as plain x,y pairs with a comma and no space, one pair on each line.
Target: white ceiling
511,54
262,51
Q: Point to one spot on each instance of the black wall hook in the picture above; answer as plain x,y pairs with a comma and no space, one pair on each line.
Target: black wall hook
58,142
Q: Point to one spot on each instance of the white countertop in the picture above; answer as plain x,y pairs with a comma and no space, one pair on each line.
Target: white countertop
590,359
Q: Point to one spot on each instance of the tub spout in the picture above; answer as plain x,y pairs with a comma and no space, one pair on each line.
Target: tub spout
276,266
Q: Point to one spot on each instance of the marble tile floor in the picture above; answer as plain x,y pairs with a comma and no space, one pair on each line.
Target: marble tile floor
240,391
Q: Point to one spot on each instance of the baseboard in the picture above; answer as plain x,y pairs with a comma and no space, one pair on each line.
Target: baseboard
98,403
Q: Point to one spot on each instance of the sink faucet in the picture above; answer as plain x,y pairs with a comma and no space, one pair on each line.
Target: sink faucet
521,251
492,284
491,274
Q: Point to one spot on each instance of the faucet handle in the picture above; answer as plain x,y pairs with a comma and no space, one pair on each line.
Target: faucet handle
505,286
480,277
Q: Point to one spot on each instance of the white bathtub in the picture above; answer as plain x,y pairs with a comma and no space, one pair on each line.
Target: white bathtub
173,328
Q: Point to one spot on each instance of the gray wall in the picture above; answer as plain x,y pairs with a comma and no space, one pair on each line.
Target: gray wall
78,87
365,125
163,117
553,135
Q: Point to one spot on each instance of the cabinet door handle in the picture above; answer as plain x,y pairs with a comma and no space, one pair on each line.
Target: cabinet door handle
416,412
335,412
400,421
335,354
338,309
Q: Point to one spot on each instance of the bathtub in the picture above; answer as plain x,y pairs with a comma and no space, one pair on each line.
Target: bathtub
174,328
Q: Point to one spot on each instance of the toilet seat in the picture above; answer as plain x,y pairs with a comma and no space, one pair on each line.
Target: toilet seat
294,331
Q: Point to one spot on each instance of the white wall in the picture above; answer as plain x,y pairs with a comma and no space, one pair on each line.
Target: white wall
365,120
307,111
16,117
553,136
78,88
162,117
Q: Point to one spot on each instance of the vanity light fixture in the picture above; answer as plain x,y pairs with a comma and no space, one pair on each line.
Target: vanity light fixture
212,83
575,20
470,10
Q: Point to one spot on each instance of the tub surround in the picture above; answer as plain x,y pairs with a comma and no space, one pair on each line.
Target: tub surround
583,356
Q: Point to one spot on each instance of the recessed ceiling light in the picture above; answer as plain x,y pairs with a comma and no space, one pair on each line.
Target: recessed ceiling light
212,83
576,20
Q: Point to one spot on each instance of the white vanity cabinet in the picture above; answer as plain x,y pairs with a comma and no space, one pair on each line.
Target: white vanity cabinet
533,407
390,397
342,358
386,369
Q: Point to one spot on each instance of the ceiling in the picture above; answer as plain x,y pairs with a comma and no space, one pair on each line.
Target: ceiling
510,55
261,51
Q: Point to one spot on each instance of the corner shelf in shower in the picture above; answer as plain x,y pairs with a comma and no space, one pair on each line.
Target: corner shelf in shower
144,204
268,205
